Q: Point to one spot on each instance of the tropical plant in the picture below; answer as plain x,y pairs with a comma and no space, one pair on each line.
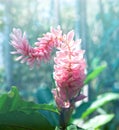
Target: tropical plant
69,76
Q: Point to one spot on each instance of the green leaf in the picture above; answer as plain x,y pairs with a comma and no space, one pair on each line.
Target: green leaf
57,128
22,121
44,95
16,113
12,101
101,100
94,74
98,121
72,127
79,110
52,117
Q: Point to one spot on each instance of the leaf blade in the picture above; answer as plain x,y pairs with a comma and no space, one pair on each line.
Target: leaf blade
98,121
100,101
94,74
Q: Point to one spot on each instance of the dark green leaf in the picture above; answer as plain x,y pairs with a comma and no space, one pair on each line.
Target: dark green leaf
44,95
12,101
79,110
22,121
18,114
52,117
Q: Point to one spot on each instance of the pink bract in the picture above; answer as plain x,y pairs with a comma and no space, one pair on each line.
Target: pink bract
69,72
43,48
69,65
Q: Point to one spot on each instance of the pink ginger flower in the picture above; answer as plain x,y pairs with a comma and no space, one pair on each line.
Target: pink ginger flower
69,62
43,48
69,72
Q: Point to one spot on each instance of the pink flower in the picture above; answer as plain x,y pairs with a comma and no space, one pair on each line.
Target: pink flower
43,48
69,62
20,43
69,72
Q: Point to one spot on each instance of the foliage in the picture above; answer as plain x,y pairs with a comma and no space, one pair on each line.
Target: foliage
88,110
98,121
26,115
16,113
92,75
100,42
100,101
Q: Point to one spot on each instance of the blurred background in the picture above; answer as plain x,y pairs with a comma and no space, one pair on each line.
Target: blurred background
96,22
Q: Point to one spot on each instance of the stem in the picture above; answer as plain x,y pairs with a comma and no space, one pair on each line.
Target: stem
62,120
65,115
